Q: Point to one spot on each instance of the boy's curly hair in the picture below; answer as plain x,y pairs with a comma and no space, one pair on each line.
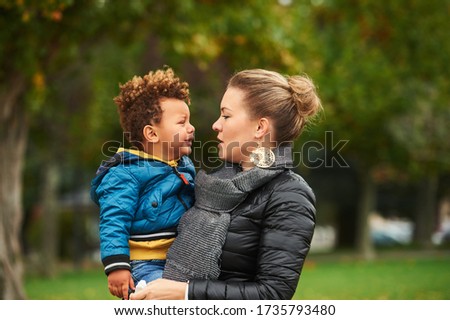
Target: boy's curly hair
139,101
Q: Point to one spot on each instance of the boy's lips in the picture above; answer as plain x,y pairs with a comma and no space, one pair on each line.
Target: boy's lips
189,141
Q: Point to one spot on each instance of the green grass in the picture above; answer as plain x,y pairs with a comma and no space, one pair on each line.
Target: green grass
407,279
70,285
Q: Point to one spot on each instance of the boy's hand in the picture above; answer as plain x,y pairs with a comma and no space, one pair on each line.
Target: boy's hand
118,283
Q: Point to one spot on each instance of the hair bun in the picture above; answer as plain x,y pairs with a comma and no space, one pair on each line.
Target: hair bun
304,95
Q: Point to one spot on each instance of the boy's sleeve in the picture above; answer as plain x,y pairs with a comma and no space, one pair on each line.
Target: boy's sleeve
118,198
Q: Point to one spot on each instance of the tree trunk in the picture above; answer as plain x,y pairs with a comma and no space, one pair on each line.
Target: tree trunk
13,138
50,218
426,214
366,205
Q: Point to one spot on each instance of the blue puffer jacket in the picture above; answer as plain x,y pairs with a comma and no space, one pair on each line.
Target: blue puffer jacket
140,199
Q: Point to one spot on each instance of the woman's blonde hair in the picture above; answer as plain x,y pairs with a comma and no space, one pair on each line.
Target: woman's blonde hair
290,102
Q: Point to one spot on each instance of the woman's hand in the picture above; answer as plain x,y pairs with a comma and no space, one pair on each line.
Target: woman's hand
161,289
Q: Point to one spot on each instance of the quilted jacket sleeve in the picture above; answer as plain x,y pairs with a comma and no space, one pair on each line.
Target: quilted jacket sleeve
117,194
287,231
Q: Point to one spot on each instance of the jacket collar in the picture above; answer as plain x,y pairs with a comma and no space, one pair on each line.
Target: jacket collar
144,155
283,156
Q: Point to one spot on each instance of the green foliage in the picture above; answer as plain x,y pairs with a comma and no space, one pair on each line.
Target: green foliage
382,63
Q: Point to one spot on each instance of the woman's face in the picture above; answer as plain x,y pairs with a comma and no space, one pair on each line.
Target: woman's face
235,130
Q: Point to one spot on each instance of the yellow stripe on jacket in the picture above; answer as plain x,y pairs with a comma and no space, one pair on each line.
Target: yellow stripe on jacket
148,250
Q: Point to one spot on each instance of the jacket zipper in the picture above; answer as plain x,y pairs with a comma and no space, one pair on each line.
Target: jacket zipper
183,178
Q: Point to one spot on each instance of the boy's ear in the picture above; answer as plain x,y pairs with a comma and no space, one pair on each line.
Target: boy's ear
150,134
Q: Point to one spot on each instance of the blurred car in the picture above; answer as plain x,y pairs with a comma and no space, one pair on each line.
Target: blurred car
442,236
390,231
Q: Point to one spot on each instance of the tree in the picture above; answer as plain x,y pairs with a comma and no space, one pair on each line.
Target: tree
423,134
37,41
371,56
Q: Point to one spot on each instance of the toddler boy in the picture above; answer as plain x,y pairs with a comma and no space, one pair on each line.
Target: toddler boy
143,191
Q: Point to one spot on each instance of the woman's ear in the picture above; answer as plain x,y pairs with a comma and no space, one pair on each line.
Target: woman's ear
150,134
263,128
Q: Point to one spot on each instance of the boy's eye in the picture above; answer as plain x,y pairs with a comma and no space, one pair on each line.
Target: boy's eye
225,117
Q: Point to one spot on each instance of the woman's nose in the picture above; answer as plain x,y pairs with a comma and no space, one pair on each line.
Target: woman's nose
216,125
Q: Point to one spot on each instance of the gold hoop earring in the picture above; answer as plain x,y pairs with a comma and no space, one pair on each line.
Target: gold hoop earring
262,157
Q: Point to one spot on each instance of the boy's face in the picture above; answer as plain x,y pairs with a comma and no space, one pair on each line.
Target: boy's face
174,130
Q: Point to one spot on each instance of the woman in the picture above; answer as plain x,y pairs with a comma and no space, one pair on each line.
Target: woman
269,231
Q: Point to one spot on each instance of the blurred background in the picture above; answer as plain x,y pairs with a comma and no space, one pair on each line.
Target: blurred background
378,158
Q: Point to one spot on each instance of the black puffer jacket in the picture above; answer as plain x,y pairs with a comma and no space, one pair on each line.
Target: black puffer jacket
267,243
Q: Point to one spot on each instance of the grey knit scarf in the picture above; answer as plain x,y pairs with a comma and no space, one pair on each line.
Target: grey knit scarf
196,251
